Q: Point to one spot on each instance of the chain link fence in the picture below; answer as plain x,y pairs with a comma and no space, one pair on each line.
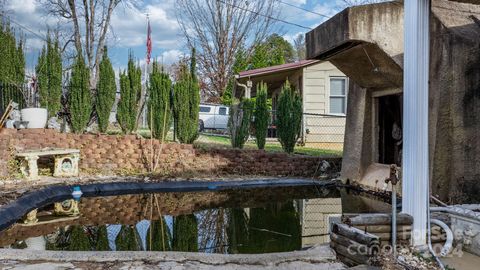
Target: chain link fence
320,135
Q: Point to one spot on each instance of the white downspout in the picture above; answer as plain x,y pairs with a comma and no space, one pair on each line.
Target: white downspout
415,114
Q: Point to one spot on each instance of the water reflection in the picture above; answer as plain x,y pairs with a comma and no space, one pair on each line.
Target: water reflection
236,221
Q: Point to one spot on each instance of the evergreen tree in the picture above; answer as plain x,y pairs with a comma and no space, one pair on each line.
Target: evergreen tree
289,117
275,217
80,99
187,103
12,66
128,239
239,122
159,102
106,91
262,115
49,76
159,239
102,239
79,240
130,91
185,233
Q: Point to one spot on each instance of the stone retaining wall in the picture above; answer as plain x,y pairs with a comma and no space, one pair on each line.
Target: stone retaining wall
115,154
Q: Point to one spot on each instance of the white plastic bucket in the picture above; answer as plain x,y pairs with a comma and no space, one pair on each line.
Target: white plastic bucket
36,117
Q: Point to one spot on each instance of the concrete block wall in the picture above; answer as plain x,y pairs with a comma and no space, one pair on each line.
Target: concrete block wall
114,154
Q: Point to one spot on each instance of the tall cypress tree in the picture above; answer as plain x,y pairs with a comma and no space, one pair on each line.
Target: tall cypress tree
130,91
106,91
102,239
187,103
49,75
262,115
185,233
159,239
12,66
239,122
159,102
80,99
289,117
128,239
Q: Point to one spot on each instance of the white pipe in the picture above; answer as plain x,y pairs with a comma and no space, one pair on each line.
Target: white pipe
415,114
449,243
455,210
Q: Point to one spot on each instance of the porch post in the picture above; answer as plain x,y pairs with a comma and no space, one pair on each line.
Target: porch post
415,184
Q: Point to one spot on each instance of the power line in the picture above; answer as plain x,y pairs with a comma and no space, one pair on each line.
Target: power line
28,30
266,16
304,9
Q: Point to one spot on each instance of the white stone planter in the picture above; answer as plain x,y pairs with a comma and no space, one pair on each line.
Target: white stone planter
36,117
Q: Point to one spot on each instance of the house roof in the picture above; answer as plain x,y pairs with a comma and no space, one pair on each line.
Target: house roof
277,68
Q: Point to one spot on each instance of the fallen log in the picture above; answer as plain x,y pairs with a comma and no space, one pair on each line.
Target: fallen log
353,256
376,219
382,228
355,234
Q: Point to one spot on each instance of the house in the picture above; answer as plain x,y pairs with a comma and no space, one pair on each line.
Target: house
323,89
366,43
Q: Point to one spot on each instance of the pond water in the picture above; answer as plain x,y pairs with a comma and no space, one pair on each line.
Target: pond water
256,220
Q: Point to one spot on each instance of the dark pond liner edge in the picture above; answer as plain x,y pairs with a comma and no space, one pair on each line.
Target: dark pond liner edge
14,211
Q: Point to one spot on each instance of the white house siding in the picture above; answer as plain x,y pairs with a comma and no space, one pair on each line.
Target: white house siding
327,132
316,217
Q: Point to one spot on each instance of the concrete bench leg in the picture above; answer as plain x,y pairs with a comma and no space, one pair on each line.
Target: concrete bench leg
29,167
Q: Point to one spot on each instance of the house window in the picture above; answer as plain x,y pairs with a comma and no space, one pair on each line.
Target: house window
222,111
338,95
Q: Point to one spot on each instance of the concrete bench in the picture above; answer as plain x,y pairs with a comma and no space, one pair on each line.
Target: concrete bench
66,162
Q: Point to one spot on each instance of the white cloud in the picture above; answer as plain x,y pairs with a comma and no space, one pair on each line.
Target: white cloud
130,25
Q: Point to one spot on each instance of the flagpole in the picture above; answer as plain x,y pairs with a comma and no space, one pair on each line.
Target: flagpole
147,63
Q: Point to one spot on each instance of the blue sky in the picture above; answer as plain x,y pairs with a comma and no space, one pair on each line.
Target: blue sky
129,26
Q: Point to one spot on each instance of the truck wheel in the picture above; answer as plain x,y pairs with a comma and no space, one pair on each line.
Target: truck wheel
201,126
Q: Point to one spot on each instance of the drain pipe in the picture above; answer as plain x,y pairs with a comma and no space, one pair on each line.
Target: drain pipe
394,180
449,243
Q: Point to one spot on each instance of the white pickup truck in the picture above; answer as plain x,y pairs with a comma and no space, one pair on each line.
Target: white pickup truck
213,116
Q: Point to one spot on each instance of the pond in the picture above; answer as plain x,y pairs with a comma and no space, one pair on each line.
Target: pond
229,221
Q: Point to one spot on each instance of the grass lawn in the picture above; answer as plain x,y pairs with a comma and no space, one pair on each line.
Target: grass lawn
224,142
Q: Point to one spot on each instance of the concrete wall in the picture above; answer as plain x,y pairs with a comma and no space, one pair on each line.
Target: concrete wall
109,154
366,43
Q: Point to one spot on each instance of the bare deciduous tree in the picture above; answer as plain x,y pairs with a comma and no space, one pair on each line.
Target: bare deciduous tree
90,21
218,28
300,47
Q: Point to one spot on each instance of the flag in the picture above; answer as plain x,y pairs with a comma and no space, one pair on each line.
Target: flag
149,42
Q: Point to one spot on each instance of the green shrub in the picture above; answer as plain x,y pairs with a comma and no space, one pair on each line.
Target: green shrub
262,116
106,91
239,122
80,99
289,117
130,91
187,103
49,75
159,102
